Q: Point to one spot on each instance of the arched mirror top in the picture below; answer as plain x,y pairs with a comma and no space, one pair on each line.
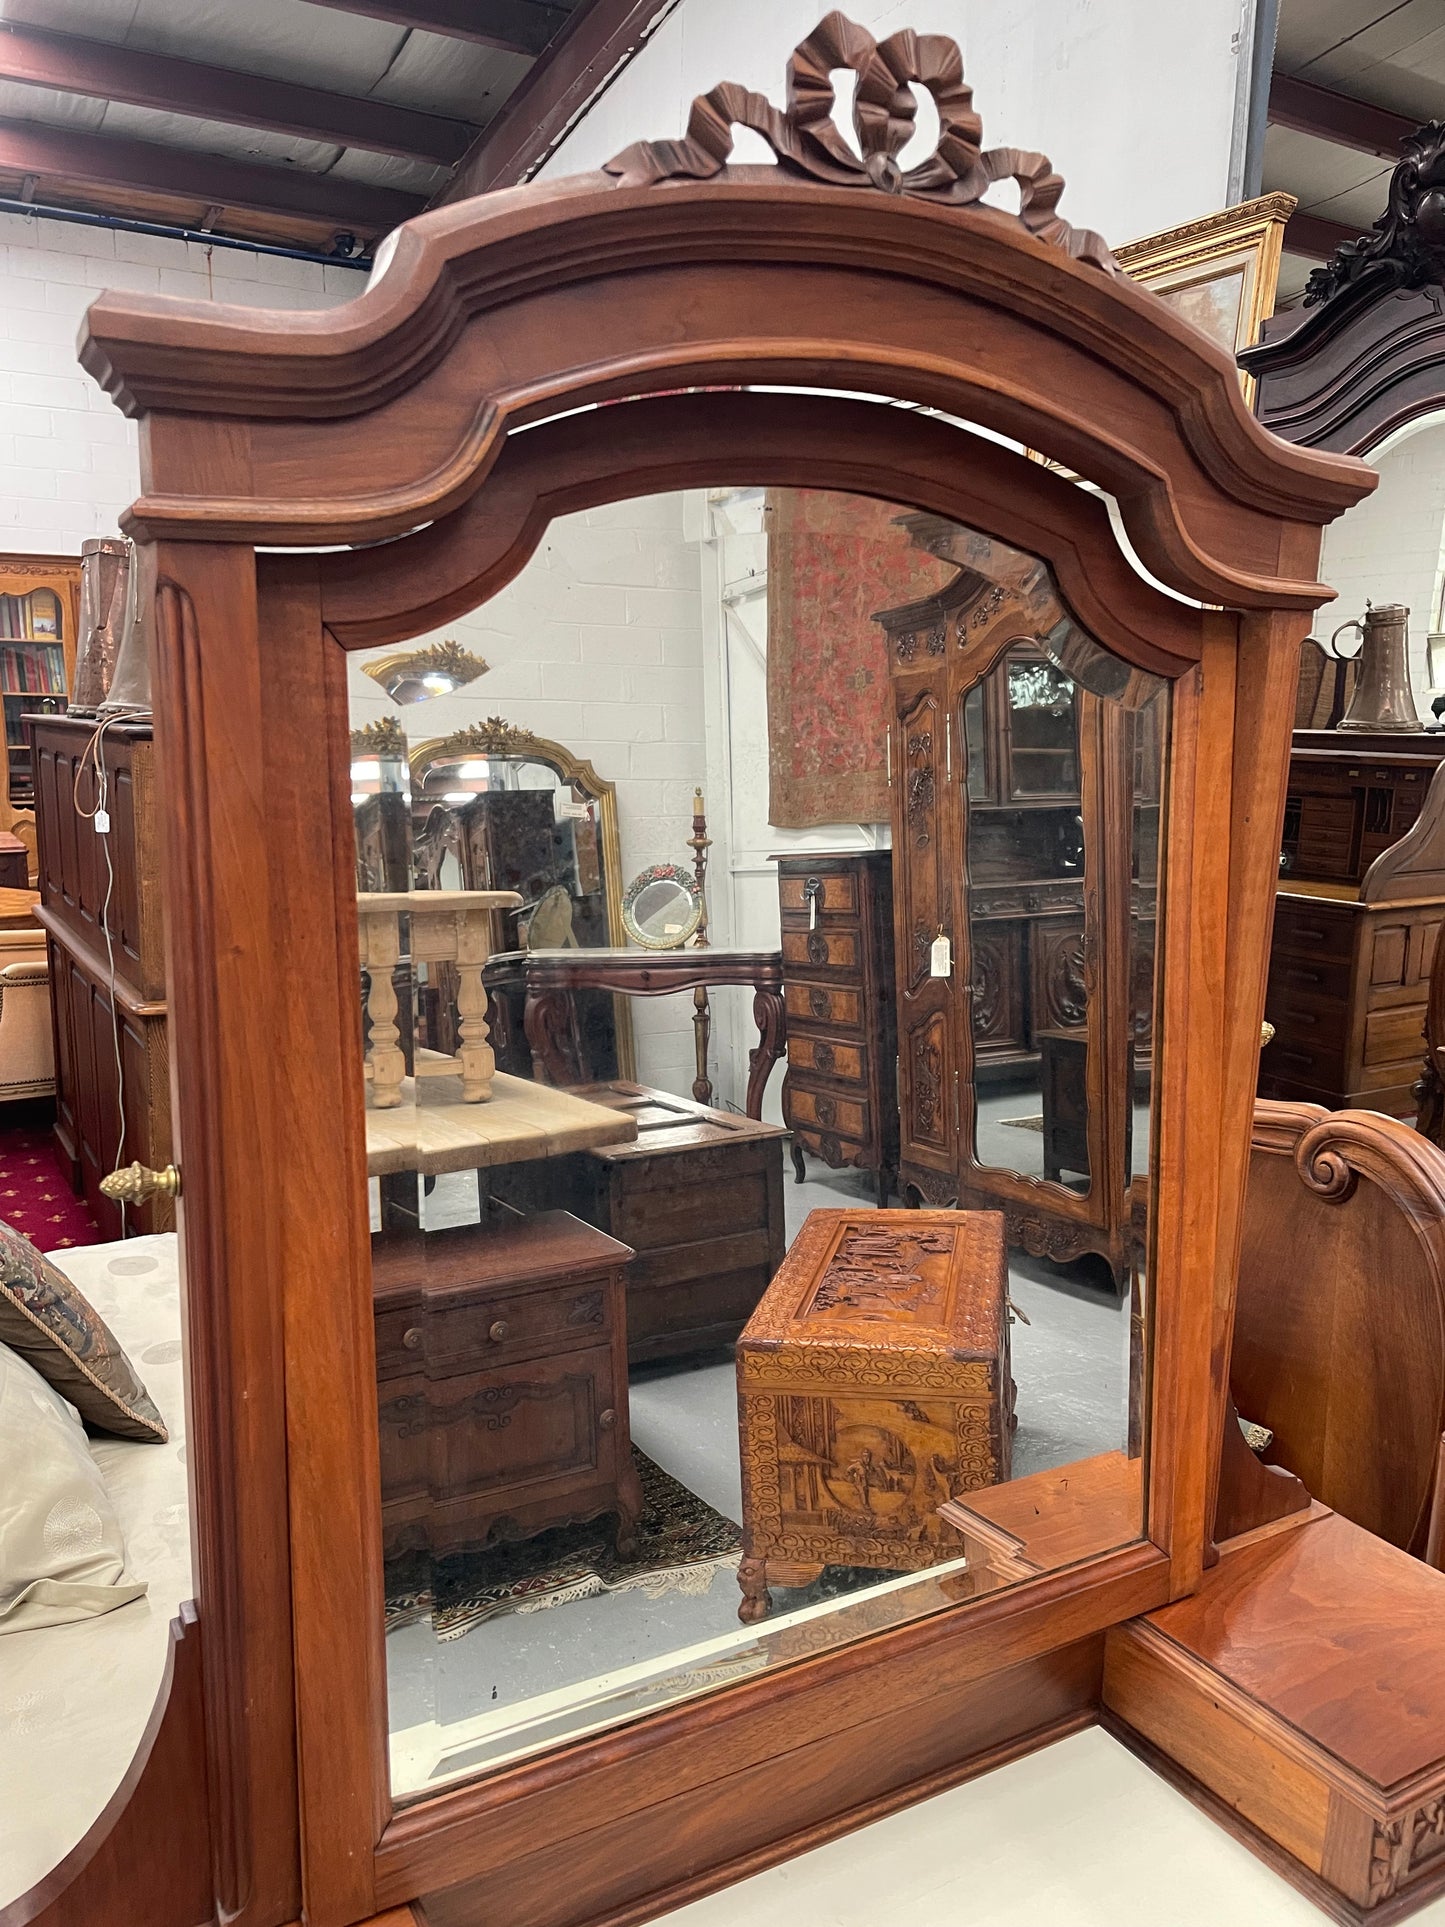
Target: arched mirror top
969,490
674,269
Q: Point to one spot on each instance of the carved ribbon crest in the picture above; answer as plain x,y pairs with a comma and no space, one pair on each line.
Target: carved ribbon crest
807,140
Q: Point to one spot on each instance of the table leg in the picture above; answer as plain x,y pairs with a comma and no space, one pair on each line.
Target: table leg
388,1066
772,1023
478,1060
701,1034
544,1019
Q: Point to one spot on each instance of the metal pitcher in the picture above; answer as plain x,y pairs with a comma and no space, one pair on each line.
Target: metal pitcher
1383,699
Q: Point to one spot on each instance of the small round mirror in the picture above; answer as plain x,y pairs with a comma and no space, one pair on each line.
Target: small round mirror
662,908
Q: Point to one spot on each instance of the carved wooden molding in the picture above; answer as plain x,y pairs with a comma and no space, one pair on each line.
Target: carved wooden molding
1333,1150
1366,354
808,142
1406,246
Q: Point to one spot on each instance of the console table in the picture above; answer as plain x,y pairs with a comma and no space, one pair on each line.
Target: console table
550,977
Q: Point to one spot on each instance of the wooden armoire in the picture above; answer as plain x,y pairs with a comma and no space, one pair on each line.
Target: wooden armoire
1025,834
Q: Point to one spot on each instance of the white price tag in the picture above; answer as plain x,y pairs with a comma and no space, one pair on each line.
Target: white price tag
940,957
812,913
102,822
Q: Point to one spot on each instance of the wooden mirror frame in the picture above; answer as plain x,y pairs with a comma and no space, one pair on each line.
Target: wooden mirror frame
392,414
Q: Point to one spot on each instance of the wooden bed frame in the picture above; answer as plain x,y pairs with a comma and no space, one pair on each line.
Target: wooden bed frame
387,422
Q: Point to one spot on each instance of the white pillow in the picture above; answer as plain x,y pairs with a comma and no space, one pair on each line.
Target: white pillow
61,1552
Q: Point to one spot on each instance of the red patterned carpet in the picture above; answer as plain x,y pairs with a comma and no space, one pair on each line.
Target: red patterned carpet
35,1194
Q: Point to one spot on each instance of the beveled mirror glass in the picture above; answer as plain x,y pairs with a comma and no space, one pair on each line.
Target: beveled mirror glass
607,1481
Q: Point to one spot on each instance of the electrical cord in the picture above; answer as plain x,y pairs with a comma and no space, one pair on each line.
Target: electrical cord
93,757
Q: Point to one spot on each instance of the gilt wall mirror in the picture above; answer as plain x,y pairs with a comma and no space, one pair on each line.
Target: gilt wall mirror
731,315
495,806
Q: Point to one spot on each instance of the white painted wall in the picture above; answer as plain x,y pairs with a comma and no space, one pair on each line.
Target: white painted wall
68,463
598,644
1389,548
1133,100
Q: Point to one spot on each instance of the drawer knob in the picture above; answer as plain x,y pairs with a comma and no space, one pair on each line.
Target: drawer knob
606,1420
827,1110
412,1337
823,1056
499,1331
818,1002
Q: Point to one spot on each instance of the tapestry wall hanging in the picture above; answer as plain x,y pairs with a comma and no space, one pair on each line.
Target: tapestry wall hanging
833,560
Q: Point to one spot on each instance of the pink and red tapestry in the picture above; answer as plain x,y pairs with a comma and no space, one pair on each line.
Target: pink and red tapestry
834,561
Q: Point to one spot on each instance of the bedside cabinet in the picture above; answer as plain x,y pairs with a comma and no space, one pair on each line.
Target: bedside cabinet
501,1367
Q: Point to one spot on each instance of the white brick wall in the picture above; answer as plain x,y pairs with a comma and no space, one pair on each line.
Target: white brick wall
67,456
1389,548
598,645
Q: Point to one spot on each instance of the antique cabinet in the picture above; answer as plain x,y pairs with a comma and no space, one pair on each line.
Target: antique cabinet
101,907
840,1098
527,1326
698,1195
1359,909
733,317
1054,796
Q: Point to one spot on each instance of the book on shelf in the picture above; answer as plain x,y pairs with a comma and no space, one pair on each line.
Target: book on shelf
36,669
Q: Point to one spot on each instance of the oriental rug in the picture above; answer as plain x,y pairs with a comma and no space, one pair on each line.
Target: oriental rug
681,1544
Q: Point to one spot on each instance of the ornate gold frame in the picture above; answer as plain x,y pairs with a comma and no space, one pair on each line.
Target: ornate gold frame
449,658
498,737
1248,237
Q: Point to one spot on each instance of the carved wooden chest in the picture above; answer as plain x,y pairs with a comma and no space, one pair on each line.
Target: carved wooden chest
873,1386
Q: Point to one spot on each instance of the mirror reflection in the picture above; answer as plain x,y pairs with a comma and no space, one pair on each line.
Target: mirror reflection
653,1419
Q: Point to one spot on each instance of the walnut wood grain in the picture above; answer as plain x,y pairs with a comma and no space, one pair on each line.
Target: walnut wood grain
160,1795
1339,1337
1304,1687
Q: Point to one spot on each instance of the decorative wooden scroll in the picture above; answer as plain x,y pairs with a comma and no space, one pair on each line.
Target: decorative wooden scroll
808,141
1368,353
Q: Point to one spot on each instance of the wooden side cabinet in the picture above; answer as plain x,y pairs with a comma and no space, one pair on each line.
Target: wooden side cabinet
105,932
840,1097
501,1365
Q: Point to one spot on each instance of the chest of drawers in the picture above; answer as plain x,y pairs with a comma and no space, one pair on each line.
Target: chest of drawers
501,1366
840,1097
698,1196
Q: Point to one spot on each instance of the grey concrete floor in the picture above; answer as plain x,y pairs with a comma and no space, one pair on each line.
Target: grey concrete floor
1071,1367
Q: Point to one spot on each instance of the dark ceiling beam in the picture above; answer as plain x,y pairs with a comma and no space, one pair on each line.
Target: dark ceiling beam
603,37
516,26
95,159
1339,118
102,72
1315,238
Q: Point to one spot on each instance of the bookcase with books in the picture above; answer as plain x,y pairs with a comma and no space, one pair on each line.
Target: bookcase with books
39,617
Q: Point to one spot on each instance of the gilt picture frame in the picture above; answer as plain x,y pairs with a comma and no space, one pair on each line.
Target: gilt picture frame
1221,272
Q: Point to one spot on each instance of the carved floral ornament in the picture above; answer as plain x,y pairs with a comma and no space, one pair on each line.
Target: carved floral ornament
807,141
1406,246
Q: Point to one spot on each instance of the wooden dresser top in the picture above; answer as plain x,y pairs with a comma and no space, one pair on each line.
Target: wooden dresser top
933,1281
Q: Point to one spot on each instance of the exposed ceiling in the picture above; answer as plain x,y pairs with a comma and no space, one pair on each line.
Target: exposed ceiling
317,124
1351,77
